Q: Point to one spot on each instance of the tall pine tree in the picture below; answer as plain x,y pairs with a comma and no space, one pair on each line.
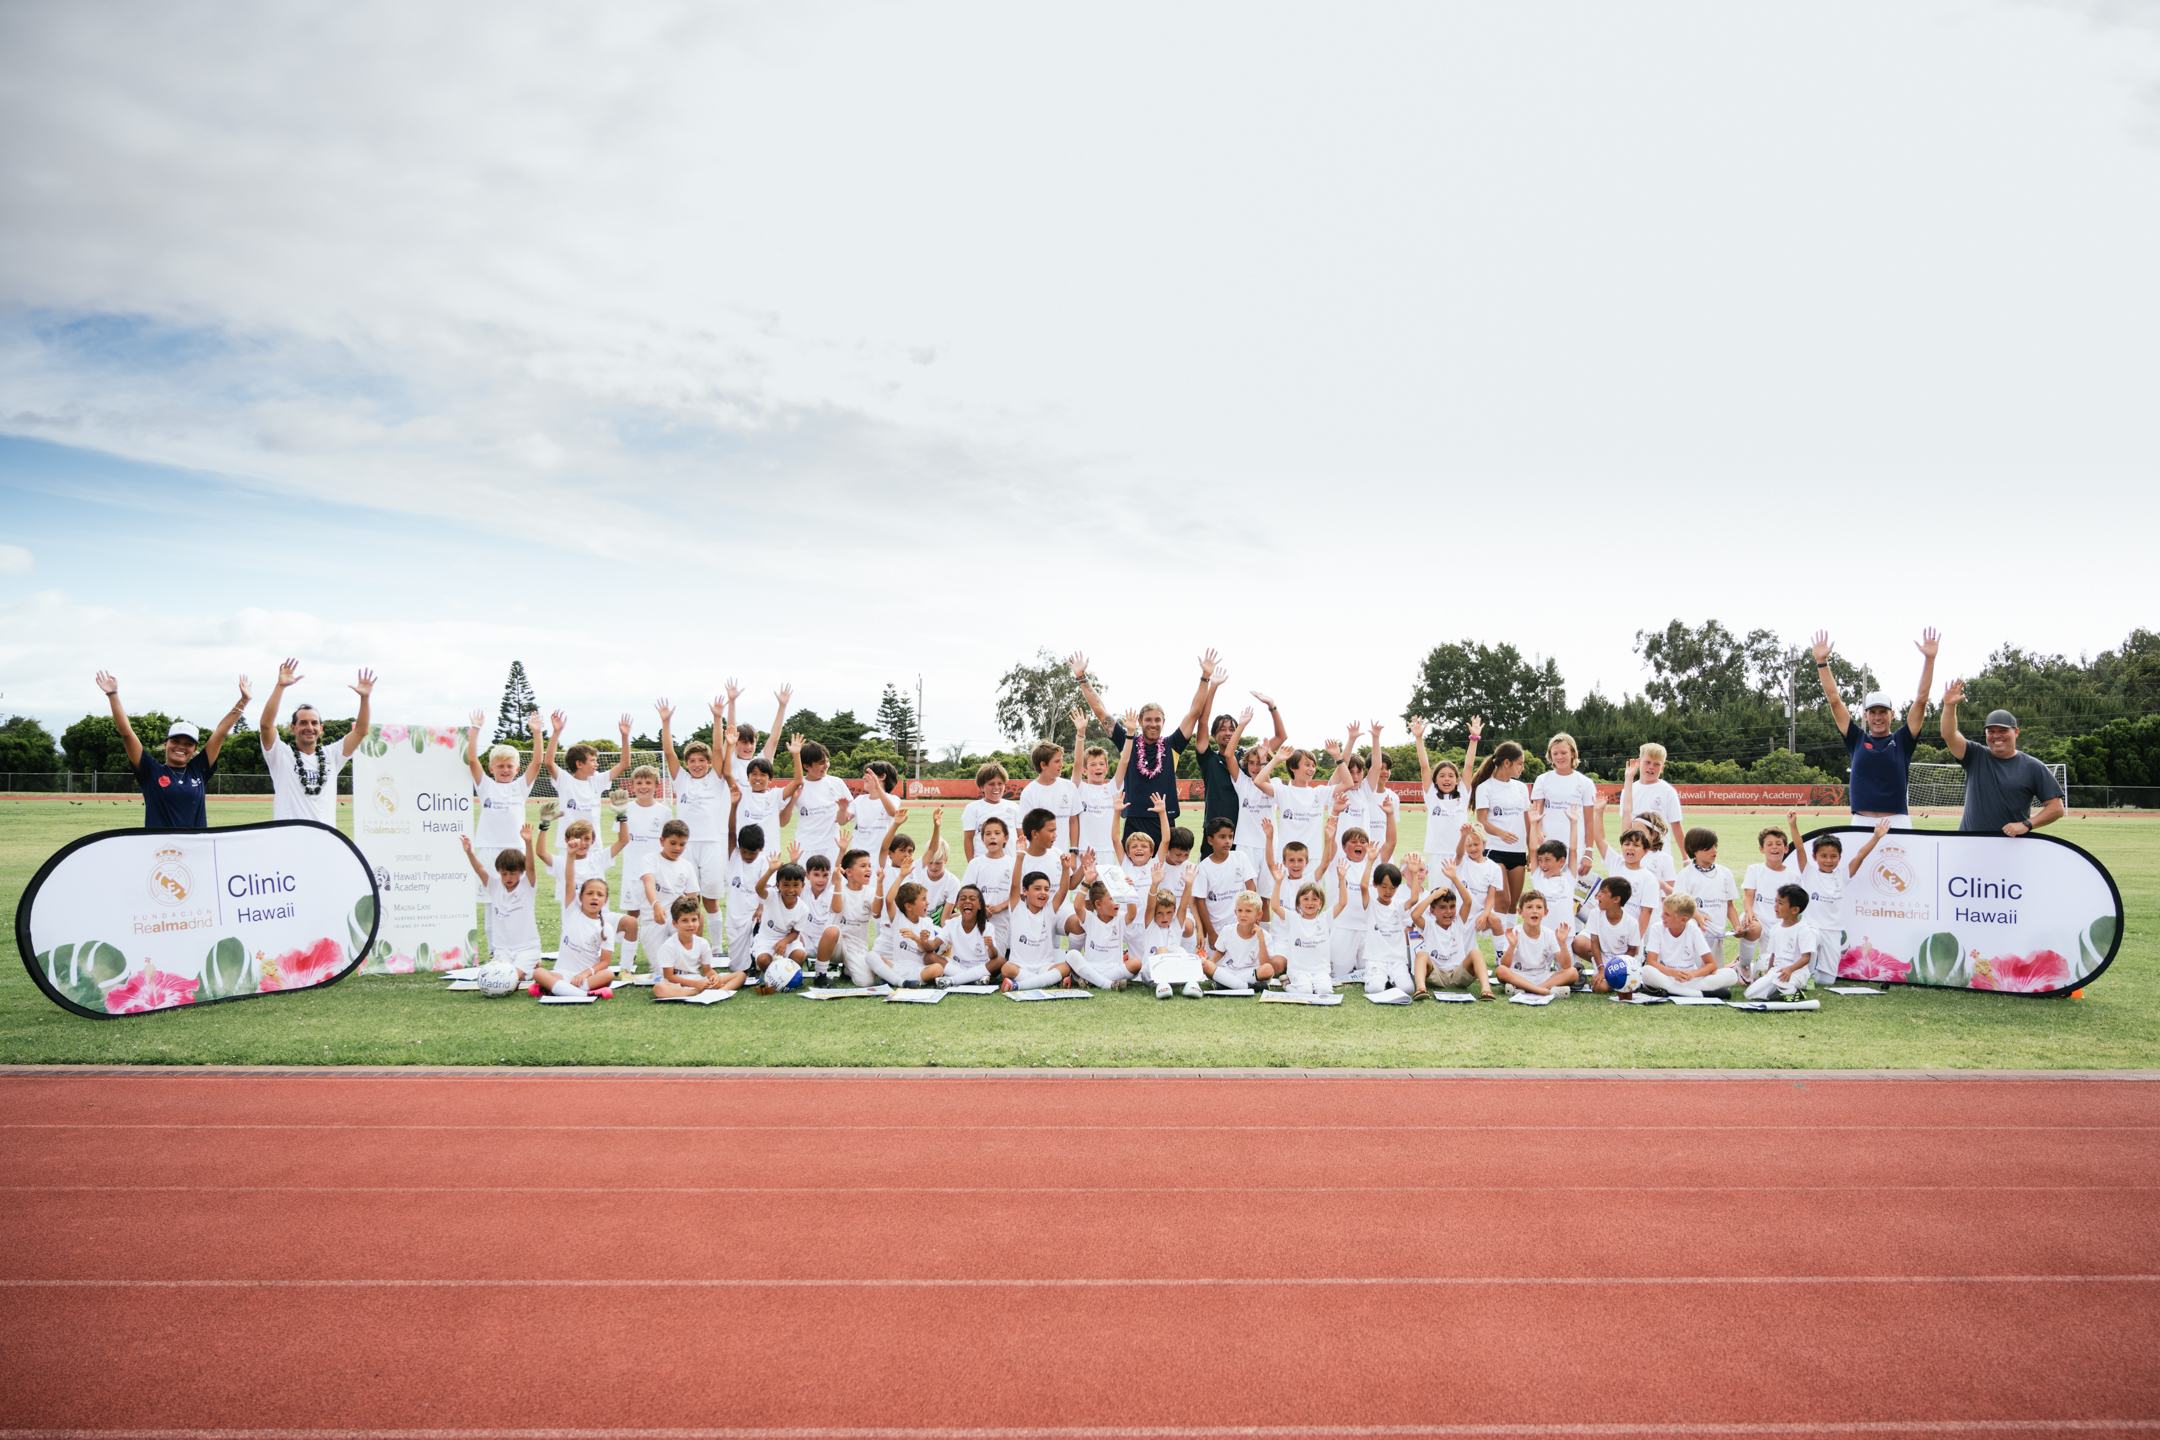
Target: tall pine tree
896,722
517,704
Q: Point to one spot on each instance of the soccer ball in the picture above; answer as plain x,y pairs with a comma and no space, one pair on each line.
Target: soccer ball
497,978
1616,972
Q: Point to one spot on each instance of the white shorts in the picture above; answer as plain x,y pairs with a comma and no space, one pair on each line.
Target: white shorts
710,857
1097,974
854,952
739,937
1389,974
1309,983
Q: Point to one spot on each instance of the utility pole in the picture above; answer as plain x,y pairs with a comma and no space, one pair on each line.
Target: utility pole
1792,704
919,731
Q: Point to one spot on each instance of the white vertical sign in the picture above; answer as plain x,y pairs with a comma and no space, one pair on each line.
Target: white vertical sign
412,806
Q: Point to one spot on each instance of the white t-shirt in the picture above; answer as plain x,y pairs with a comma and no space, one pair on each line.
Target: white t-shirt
969,947
1061,798
1448,945
1304,944
1660,863
1788,944
1658,797
940,891
512,929
1642,882
501,816
1353,911
580,799
1254,806
1568,800
292,802
701,802
1559,893
1614,939
739,767
1031,944
687,962
672,879
762,809
1765,881
1684,951
1826,897
1479,879
742,899
871,823
643,823
1103,941
1506,804
1536,956
992,875
817,816
1362,813
1239,952
1291,884
1098,817
1218,886
593,865
1387,923
853,916
1445,816
778,922
586,941
1713,890
1050,863
978,811
1301,814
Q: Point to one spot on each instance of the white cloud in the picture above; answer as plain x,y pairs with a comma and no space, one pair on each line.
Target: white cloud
15,560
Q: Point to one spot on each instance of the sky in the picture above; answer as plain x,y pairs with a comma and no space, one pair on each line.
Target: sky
834,344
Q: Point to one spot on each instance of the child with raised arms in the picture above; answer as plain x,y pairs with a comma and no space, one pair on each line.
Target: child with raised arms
584,956
685,965
1170,926
909,947
513,928
1483,885
1101,790
1611,934
1240,960
1032,962
500,809
1224,875
786,927
1825,884
1447,803
1448,958
1256,808
1626,861
1788,951
1300,934
1538,961
878,812
1502,803
1303,806
936,877
579,861
580,784
816,800
641,821
704,800
971,948
1564,805
1346,899
1297,866
991,873
1098,922
1388,894
847,915
1717,898
1676,958
1555,883
1645,791
744,748
990,784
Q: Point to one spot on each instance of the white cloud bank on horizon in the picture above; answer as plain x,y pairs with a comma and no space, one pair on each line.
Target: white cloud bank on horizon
1396,300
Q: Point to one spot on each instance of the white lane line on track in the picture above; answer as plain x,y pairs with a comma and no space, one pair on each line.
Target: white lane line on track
1051,1189
1113,1129
1140,1432
1111,1283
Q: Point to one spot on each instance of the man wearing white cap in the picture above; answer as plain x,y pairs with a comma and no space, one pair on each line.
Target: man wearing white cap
173,788
303,775
2001,781
1881,750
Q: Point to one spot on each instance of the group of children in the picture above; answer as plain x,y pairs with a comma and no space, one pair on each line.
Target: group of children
1299,891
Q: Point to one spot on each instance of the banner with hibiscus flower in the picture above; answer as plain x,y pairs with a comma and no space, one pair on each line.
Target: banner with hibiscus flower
130,921
2030,915
412,806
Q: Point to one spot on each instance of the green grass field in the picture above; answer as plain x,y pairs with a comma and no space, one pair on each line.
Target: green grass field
412,1019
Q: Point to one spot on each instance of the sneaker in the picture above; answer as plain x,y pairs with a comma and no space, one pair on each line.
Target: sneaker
1117,985
1162,992
1193,990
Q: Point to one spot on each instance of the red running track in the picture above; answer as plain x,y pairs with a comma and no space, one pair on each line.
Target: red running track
823,1258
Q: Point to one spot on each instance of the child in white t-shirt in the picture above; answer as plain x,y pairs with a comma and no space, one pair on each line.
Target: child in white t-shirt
1676,958
1538,961
1224,875
1788,950
1300,934
684,966
1643,791
1448,957
1551,878
847,914
1240,958
1825,884
990,782
1645,889
1611,940
1502,803
578,861
1388,894
1483,884
1716,895
1051,791
1256,808
1758,891
500,808
970,947
580,784
513,931
937,879
877,812
909,947
787,928
991,872
1099,961
1295,867
1032,958
1563,803
816,800
664,878
584,955
1101,791
702,802
1447,802
640,821
744,871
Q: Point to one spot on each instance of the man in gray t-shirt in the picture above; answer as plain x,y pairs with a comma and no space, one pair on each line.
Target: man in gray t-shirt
2001,781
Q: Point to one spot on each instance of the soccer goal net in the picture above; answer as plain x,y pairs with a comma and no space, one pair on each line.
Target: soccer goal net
1942,787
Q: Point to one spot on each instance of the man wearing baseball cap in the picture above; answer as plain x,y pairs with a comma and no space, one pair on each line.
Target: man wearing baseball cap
2001,781
174,787
1881,750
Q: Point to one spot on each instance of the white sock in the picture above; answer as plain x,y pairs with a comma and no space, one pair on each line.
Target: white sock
1036,980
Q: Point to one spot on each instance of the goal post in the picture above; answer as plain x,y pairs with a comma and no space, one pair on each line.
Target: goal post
1942,787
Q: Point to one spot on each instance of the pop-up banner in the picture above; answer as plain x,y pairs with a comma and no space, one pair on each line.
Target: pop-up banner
1967,910
412,806
130,921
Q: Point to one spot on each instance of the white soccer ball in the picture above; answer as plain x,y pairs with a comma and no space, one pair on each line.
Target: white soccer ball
497,978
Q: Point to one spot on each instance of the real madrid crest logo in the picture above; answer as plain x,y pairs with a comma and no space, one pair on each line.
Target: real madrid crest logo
386,796
169,879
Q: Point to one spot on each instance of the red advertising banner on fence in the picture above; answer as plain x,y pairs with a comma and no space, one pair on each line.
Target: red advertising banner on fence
1410,792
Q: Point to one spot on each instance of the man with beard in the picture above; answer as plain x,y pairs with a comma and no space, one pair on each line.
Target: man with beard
1153,770
303,776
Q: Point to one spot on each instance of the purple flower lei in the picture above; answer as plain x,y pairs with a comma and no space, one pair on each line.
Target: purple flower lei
1140,749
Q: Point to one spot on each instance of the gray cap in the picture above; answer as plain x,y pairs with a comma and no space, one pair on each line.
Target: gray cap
2003,718
181,730
1877,700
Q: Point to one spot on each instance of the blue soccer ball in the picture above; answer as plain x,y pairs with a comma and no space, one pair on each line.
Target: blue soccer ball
1616,972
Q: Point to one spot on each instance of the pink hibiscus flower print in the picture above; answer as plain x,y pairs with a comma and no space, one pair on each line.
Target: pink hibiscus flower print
445,738
150,989
2041,970
1865,962
394,734
298,969
398,965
